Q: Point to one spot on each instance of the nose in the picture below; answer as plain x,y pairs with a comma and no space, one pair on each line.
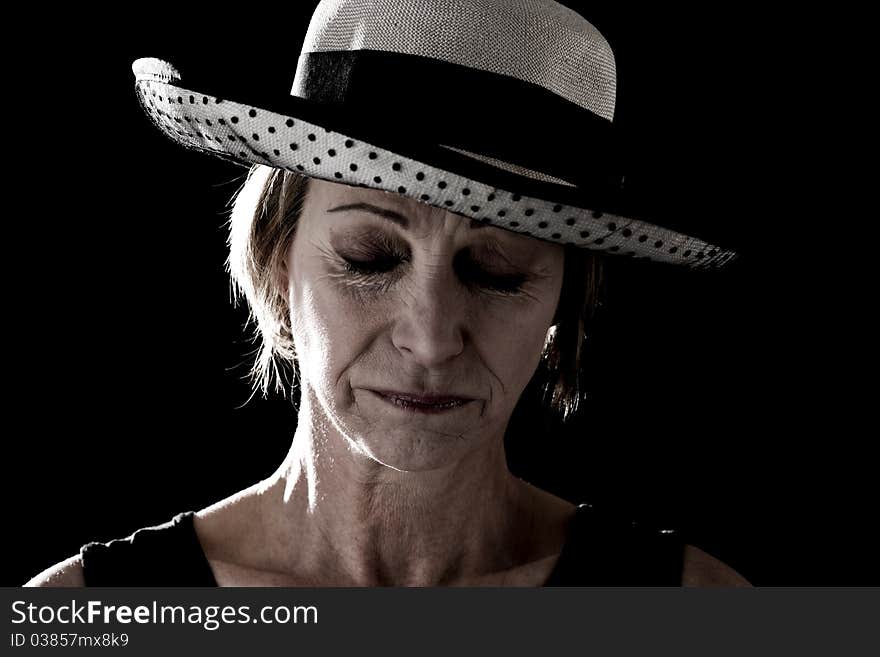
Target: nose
430,326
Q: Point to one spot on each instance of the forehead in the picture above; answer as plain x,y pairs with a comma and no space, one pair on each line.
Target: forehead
327,197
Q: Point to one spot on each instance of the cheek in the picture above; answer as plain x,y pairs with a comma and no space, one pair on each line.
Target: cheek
329,328
513,341
514,333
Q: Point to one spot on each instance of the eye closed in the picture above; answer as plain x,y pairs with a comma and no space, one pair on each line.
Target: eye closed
383,265
379,265
473,273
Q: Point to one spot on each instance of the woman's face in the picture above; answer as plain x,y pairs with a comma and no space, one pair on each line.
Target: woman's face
394,301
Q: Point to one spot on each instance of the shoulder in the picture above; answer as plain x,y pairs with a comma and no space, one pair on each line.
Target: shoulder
703,570
67,573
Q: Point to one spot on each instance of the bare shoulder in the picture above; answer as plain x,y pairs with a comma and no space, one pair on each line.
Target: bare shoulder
226,526
704,570
65,573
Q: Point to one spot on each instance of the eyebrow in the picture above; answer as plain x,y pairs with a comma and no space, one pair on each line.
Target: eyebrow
390,215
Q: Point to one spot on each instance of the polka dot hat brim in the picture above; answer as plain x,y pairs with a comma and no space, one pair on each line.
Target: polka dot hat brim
317,140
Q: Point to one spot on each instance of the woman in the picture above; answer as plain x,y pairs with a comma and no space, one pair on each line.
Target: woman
412,259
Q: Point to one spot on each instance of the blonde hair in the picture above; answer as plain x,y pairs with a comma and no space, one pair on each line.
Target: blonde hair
265,212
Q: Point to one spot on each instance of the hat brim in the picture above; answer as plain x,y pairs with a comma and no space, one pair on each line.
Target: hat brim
313,140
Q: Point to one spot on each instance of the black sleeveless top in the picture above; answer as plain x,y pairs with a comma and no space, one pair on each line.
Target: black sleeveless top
599,551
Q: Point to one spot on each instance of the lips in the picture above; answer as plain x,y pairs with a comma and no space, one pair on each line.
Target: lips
428,403
427,400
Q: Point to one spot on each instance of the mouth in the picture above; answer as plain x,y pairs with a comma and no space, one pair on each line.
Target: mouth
422,403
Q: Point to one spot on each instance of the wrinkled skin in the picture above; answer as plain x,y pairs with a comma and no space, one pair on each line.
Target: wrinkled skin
443,318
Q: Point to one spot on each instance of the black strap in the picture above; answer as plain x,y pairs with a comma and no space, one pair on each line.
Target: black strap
164,555
604,550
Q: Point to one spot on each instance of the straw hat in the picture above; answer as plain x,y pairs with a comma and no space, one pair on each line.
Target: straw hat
497,110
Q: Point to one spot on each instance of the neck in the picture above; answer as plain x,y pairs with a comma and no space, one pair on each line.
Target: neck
352,521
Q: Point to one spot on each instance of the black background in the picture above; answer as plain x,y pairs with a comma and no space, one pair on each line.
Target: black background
719,401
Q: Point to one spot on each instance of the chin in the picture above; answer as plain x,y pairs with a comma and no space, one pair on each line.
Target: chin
410,449
408,440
